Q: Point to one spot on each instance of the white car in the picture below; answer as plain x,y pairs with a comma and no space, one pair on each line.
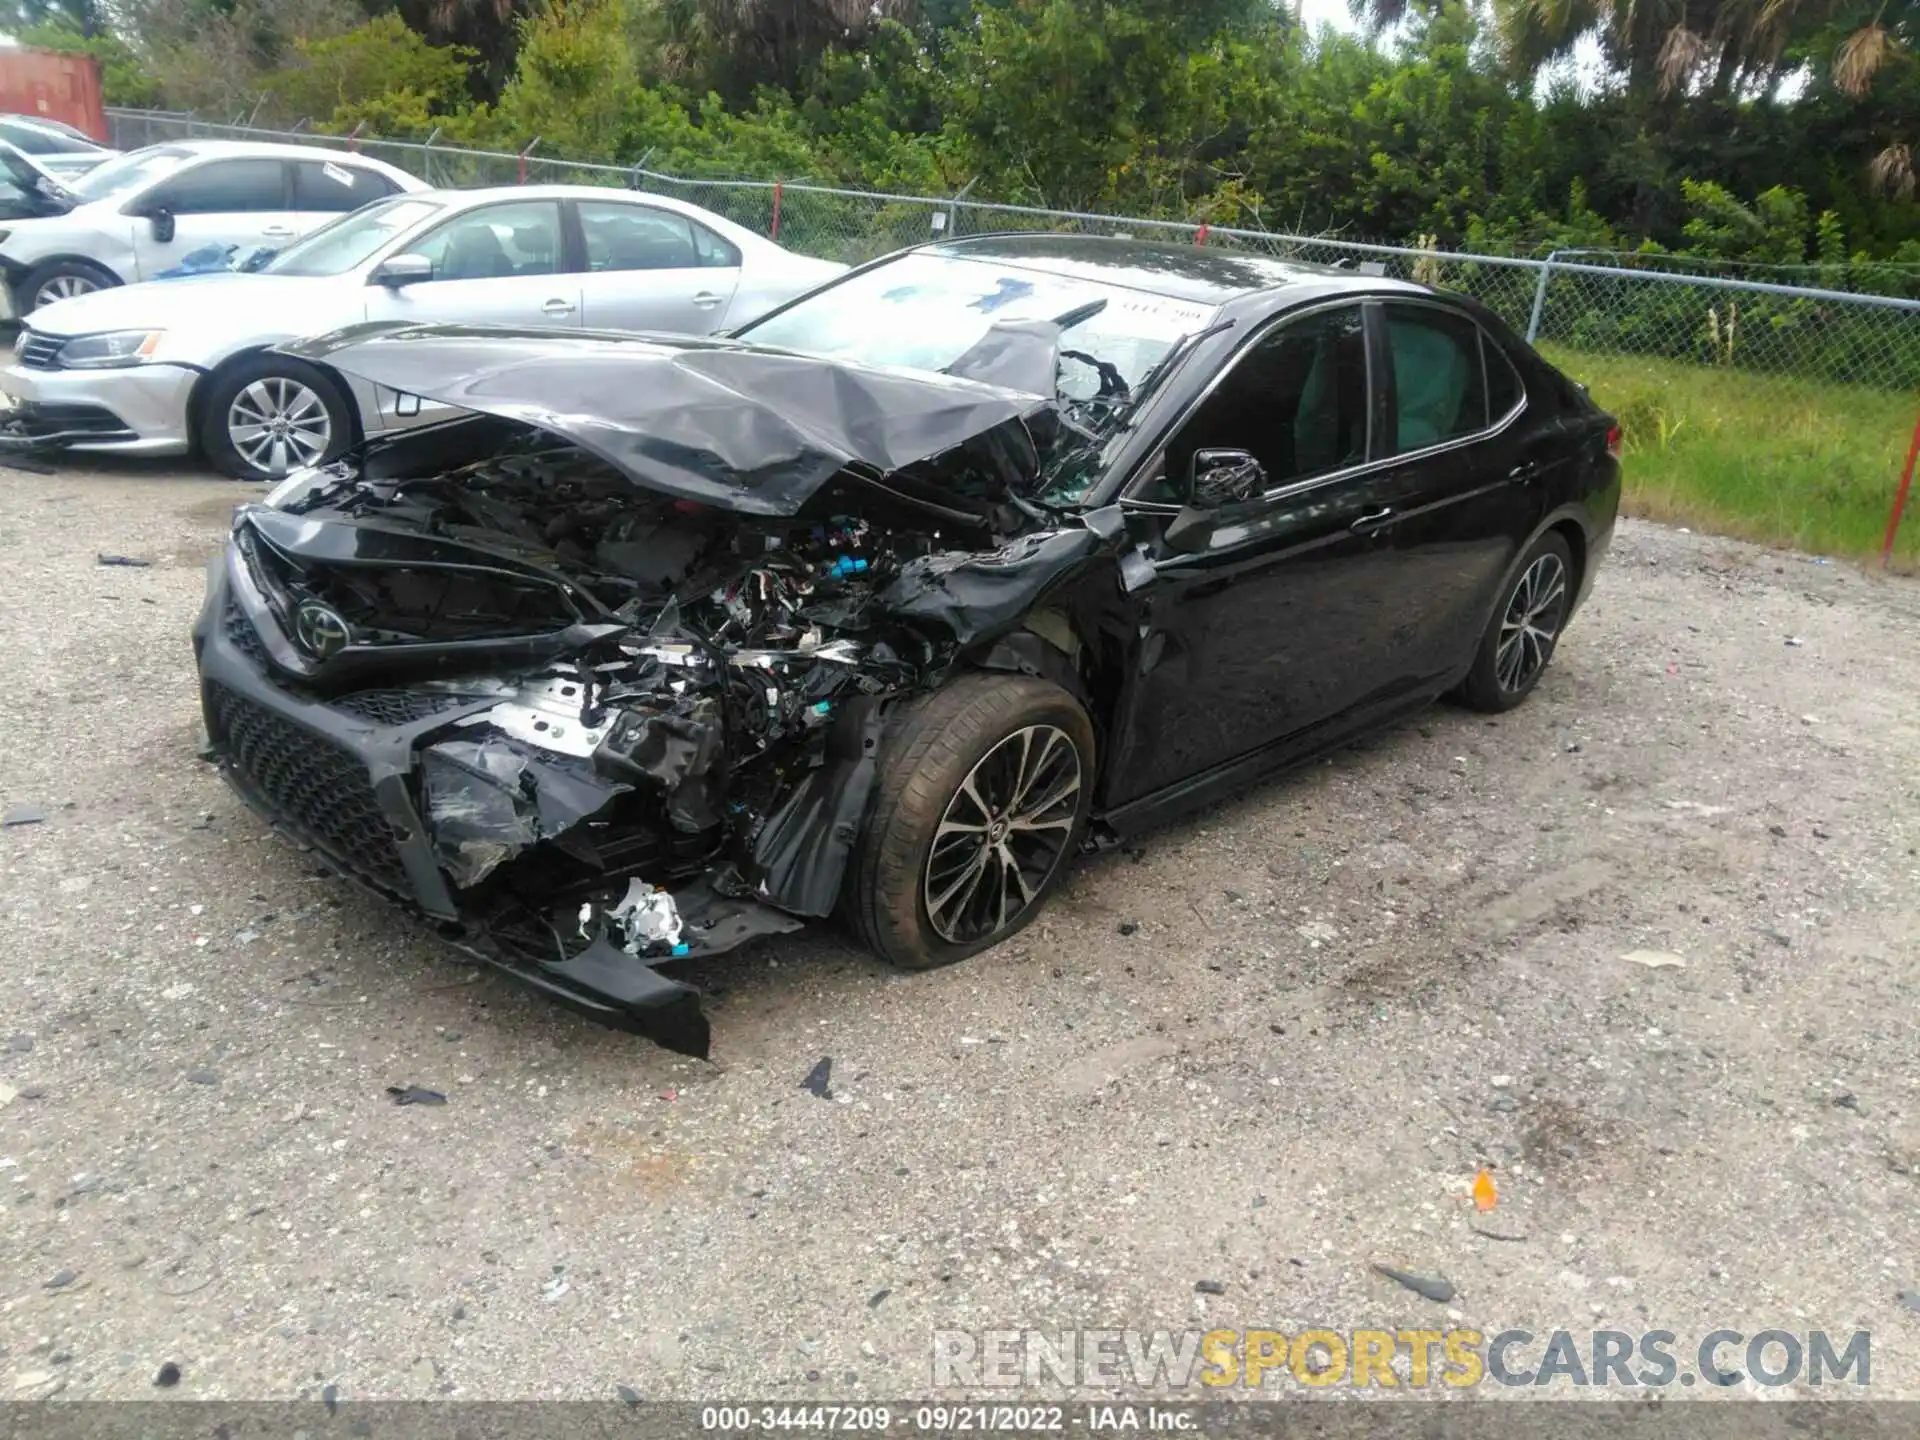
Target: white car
140,213
158,369
60,150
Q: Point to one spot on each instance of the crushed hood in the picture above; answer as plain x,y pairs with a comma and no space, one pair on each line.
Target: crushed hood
724,423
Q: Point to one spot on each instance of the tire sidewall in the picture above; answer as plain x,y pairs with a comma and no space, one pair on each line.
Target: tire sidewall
218,445
907,929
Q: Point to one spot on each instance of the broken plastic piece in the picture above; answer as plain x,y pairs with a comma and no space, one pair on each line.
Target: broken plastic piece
415,1095
488,801
665,1011
645,919
1433,1287
819,1081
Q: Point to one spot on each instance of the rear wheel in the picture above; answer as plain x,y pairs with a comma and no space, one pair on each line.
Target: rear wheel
62,280
982,797
271,414
1525,627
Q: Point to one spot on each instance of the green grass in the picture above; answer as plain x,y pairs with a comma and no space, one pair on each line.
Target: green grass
1772,458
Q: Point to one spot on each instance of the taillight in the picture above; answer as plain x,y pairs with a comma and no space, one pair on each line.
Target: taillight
1613,441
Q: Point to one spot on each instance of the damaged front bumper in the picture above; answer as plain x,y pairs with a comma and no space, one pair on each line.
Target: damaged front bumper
341,776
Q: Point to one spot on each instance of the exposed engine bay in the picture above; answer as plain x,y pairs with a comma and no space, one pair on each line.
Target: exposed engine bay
640,727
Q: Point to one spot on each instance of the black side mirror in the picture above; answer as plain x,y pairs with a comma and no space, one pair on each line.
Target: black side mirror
1224,477
161,220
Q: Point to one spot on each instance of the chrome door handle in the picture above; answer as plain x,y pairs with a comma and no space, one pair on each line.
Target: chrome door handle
557,307
276,232
1525,470
706,299
1373,520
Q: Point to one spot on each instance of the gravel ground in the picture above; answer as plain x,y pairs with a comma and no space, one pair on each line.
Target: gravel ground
1267,1048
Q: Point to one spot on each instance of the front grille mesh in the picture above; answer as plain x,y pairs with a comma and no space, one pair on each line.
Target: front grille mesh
242,635
314,786
398,707
41,352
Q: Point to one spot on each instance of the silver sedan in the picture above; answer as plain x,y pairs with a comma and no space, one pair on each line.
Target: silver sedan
173,365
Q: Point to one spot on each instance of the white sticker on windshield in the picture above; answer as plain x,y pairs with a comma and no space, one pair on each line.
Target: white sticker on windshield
337,175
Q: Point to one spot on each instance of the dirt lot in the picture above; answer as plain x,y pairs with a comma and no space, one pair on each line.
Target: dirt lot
1344,993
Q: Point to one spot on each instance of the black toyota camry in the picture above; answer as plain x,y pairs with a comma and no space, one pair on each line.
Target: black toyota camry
886,607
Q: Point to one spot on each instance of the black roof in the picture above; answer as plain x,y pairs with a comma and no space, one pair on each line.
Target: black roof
1208,274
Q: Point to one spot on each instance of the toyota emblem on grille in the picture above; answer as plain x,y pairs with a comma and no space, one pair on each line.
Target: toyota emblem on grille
320,631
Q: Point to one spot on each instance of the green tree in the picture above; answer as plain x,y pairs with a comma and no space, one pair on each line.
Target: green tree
380,70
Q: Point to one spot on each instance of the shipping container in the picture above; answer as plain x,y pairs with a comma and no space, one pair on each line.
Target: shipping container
53,86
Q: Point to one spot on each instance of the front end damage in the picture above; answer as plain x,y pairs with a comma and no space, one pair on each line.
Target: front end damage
514,674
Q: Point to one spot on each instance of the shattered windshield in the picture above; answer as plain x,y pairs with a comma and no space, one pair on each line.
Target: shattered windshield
925,311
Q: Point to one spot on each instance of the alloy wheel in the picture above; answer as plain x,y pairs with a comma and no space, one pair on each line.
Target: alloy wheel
63,287
279,424
1004,833
1532,622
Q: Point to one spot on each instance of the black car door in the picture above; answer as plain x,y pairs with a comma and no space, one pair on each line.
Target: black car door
1469,478
1273,624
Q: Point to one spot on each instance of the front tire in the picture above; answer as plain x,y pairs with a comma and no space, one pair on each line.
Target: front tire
55,280
1525,628
983,794
269,414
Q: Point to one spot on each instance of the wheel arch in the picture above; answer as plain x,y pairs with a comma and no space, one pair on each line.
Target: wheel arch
212,374
19,271
1055,642
1575,534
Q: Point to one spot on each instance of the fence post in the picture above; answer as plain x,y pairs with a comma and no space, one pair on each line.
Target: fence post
1540,297
953,205
426,155
523,158
1900,499
775,234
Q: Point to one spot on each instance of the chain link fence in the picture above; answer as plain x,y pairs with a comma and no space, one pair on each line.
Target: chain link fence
1783,410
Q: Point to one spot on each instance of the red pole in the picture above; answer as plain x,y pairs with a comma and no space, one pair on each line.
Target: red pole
776,211
1900,499
1200,235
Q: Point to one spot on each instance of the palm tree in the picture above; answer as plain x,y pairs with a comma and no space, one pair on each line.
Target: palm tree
1665,47
1668,50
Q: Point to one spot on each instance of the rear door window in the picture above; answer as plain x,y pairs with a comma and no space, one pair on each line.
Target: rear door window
636,237
1439,388
327,186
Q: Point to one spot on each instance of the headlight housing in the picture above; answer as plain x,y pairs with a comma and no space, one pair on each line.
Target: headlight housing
111,348
297,486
